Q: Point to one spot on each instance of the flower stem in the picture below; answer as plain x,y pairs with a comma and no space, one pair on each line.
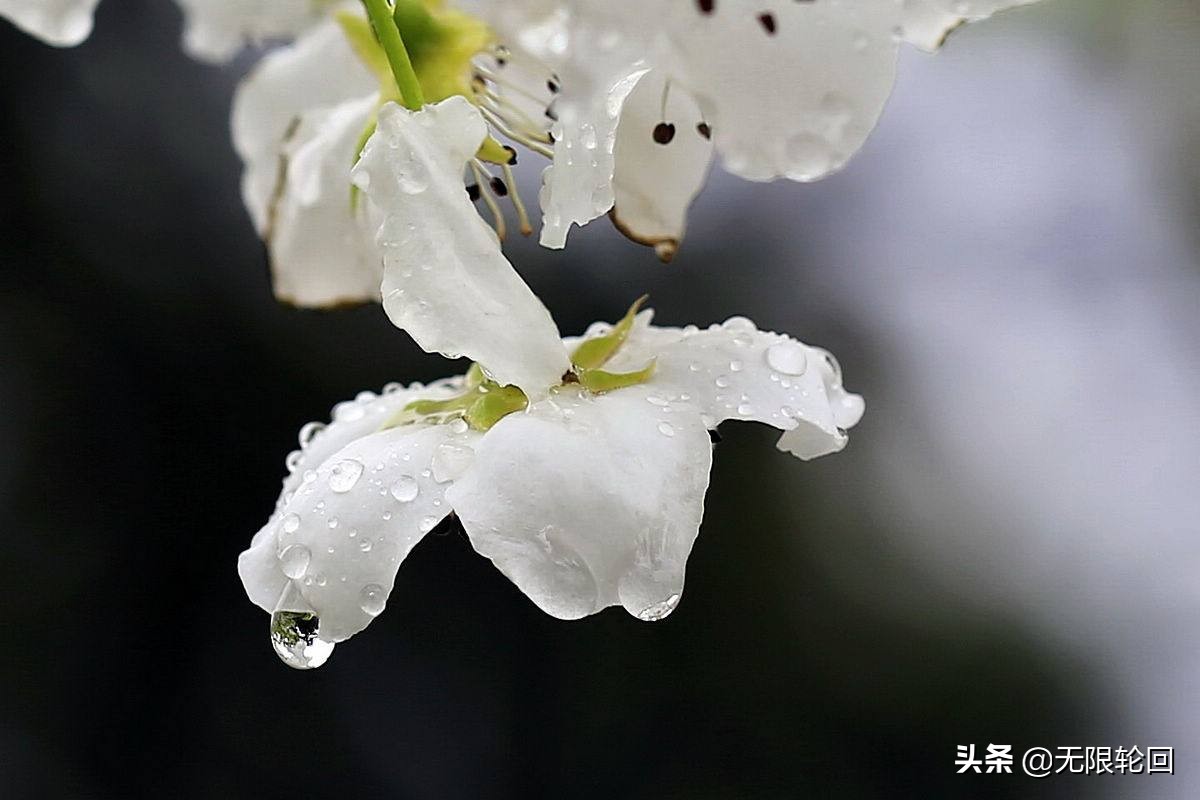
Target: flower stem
380,13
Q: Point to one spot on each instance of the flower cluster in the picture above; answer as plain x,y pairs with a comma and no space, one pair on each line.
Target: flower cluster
372,136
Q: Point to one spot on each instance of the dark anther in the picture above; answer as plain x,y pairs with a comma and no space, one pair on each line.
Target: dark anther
550,137
473,191
704,130
768,23
714,436
498,187
551,113
552,85
512,155
706,6
570,377
664,132
502,55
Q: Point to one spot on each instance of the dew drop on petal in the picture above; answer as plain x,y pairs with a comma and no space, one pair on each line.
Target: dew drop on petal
293,460
738,325
364,545
745,409
293,561
291,523
735,365
428,524
344,475
787,357
458,426
659,611
666,429
405,489
295,640
450,461
371,599
721,382
333,522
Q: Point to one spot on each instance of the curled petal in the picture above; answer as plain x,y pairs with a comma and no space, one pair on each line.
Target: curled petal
663,152
587,502
319,242
927,23
216,30
319,71
735,371
351,522
445,280
62,23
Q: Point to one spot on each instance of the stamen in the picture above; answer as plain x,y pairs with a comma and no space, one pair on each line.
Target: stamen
522,216
497,217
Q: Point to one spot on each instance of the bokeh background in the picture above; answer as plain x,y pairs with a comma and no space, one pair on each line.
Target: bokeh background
1008,551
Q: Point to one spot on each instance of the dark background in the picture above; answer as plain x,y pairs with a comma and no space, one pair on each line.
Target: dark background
847,622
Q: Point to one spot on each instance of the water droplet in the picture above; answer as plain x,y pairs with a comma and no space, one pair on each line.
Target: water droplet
412,175
333,522
809,156
291,523
295,640
659,611
405,489
721,382
293,561
735,366
666,429
364,545
344,475
348,411
745,409
458,426
787,357
293,460
428,524
655,400
372,599
738,325
450,461
308,431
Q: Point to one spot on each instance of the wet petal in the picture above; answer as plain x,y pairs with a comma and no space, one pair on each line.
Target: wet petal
587,502
344,534
735,371
793,89
215,30
659,169
445,279
62,23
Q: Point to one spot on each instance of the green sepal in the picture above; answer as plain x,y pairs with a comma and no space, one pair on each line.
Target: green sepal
494,405
598,381
482,405
596,352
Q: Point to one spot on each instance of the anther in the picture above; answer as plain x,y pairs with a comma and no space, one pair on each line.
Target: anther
664,132
768,22
473,191
706,6
704,130
512,154
499,187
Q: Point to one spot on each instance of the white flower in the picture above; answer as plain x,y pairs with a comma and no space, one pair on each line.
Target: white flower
782,88
629,100
585,486
63,23
216,30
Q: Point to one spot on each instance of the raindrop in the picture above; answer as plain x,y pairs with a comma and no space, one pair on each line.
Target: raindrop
745,409
405,489
458,426
364,545
666,429
293,561
722,382
738,325
735,366
293,460
450,461
428,524
295,640
372,599
787,357
344,475
291,523
333,522
659,611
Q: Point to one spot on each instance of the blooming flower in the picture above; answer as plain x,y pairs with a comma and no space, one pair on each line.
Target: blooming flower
578,467
629,101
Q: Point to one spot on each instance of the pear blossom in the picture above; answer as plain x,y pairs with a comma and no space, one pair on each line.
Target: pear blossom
62,23
577,466
629,101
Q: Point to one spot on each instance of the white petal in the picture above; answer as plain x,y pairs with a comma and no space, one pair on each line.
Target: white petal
589,502
343,535
215,30
735,371
319,71
793,89
445,279
320,245
62,23
350,420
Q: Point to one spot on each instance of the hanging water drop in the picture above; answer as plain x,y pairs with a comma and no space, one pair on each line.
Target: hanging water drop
659,611
787,358
295,640
308,431
405,489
